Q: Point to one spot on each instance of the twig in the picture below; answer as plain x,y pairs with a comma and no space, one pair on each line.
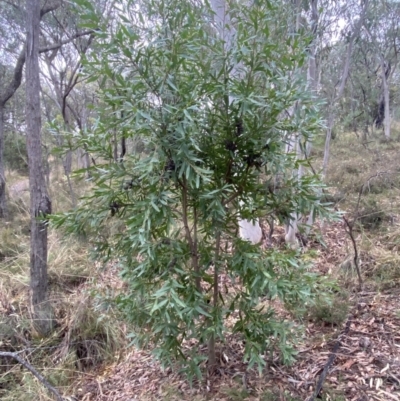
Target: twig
330,361
357,266
394,377
367,182
28,366
350,225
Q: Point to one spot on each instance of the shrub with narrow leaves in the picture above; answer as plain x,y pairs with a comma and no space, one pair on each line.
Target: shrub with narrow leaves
213,152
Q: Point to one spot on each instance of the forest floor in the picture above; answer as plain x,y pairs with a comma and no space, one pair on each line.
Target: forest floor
362,334
353,344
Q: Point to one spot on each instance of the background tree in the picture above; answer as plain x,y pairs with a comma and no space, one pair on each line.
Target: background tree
340,82
40,202
62,75
381,30
17,53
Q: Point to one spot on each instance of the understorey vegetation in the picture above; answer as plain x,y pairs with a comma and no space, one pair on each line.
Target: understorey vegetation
210,206
214,151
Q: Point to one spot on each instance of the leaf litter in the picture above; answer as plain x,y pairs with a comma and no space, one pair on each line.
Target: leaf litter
366,363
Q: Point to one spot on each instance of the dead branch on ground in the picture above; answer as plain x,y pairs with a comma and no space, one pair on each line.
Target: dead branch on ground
27,365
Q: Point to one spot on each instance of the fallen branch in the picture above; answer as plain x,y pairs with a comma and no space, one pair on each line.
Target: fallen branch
38,376
330,361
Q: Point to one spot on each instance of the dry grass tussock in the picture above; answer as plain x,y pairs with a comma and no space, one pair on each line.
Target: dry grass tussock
85,335
372,164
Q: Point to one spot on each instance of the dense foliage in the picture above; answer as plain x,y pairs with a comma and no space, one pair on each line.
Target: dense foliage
214,151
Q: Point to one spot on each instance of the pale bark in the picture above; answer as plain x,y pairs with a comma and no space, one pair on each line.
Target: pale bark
312,63
385,85
328,138
293,145
312,84
40,204
248,230
3,201
291,227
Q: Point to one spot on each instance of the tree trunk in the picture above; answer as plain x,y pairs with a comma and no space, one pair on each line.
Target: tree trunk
67,165
249,231
312,64
40,204
293,145
327,145
6,92
385,88
312,84
3,201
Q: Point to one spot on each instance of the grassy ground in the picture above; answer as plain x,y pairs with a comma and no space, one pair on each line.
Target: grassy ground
87,355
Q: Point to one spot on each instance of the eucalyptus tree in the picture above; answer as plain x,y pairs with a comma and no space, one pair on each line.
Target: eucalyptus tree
352,32
372,64
13,32
14,53
62,75
40,204
210,110
27,51
382,30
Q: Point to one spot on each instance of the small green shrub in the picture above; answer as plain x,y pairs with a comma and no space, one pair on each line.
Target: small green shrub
177,206
351,169
333,311
236,393
15,154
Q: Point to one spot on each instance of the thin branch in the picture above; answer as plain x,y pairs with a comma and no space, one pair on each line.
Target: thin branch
38,376
18,8
361,191
48,7
185,212
330,361
353,240
17,76
350,225
64,42
346,67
